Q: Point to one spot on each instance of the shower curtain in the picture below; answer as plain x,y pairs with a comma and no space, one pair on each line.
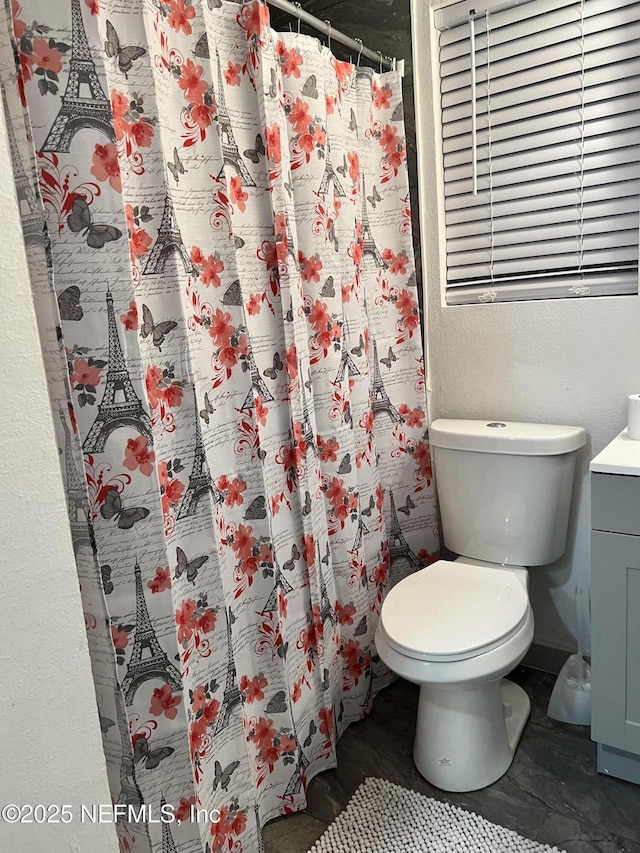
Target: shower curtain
218,230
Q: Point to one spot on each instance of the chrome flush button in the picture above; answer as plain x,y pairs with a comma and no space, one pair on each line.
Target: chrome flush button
495,424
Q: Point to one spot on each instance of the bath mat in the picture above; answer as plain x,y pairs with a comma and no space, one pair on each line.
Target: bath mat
385,818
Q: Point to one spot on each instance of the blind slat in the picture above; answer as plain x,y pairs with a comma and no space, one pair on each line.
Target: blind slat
599,246
560,63
539,180
556,211
549,97
606,284
518,220
450,18
625,226
511,205
601,47
540,131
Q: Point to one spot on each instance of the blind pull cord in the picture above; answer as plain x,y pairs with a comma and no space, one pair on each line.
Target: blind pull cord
582,133
491,211
474,117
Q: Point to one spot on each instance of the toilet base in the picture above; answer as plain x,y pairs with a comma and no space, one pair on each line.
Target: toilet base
467,734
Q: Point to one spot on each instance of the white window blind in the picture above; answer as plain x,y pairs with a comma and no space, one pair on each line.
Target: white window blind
557,113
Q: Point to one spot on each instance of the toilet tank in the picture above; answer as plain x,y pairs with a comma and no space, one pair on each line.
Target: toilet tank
504,488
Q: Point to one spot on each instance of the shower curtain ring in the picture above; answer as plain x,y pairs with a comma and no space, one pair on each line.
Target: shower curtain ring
379,52
361,45
328,23
299,10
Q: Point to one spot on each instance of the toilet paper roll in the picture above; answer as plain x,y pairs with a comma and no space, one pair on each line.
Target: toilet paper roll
633,417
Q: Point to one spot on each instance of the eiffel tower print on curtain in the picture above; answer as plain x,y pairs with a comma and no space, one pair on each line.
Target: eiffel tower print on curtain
168,844
280,584
347,366
327,613
298,777
148,660
169,240
368,243
398,545
330,175
256,814
230,151
364,72
120,405
80,109
75,488
362,531
28,207
257,384
231,695
307,428
291,246
380,399
129,791
200,481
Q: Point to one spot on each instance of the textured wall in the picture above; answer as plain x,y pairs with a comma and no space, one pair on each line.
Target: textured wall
50,739
566,361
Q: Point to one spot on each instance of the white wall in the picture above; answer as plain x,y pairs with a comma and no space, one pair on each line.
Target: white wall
50,742
569,361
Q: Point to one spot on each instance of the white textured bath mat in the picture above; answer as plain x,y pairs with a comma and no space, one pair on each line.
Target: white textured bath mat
385,818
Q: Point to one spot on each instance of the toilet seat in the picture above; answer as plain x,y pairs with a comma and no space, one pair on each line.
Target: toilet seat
453,611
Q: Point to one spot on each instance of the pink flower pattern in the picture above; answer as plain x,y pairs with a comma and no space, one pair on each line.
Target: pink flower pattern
240,324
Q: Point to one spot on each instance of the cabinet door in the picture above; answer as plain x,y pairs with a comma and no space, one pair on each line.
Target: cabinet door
615,640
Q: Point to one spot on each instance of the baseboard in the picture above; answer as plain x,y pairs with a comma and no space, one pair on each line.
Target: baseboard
545,658
615,762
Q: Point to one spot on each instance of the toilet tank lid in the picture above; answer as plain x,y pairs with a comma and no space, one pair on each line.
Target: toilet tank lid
509,437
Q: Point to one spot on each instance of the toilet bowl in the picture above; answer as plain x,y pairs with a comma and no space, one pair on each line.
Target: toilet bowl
456,628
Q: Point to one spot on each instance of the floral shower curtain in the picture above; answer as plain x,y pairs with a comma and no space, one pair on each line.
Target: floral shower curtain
228,308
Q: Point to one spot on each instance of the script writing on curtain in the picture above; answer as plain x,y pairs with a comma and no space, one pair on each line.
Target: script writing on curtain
228,308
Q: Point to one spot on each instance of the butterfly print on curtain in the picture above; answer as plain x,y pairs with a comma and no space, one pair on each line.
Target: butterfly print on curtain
231,250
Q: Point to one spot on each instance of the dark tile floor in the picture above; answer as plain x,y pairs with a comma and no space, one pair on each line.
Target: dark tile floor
551,793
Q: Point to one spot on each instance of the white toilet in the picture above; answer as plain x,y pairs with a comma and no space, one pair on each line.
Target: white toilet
456,628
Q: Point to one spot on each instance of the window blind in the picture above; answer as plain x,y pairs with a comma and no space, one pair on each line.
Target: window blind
557,104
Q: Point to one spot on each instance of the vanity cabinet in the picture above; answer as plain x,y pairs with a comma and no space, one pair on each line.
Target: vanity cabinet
615,608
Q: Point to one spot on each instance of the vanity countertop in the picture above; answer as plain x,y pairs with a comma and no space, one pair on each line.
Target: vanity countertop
620,456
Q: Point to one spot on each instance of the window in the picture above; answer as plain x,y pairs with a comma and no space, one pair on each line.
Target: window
553,89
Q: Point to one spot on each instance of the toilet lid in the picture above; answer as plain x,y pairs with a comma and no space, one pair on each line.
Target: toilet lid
450,611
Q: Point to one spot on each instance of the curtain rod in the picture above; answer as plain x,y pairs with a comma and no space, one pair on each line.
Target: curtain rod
324,27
